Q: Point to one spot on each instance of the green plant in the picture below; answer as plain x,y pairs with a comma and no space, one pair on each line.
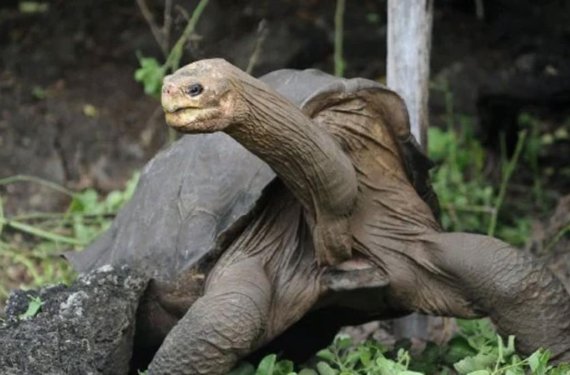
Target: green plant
538,140
475,350
34,307
339,62
532,152
31,243
492,357
151,72
508,167
341,358
471,201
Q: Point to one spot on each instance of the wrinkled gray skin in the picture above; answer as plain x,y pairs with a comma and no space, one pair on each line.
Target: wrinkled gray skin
267,277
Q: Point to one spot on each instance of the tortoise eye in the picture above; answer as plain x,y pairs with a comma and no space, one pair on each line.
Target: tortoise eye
195,89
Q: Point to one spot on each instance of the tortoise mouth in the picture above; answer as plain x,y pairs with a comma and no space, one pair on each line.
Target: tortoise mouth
192,119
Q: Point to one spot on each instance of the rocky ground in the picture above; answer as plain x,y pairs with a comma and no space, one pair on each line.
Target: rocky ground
85,329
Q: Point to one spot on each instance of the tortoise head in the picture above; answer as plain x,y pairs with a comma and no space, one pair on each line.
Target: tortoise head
203,97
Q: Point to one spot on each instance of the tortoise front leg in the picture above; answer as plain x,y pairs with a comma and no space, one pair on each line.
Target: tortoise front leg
489,277
221,327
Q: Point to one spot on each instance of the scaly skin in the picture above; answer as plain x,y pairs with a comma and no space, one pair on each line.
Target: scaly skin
268,278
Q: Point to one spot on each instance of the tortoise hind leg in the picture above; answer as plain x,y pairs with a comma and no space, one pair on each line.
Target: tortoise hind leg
220,327
520,295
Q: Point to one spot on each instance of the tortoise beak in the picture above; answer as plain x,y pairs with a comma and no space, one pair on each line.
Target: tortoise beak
194,120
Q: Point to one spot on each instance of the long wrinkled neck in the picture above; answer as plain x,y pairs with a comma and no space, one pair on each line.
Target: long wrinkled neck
281,135
302,154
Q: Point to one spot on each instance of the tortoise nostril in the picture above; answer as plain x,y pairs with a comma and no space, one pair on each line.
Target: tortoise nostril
168,89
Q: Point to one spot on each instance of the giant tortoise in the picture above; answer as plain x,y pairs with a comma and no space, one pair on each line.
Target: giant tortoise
346,232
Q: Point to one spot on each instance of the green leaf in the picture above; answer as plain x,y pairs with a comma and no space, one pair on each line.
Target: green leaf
114,201
131,186
34,306
39,92
150,74
500,349
343,342
538,362
326,354
284,367
510,349
477,362
439,142
459,348
308,371
352,358
365,356
326,369
480,372
479,333
85,202
563,369
267,365
403,357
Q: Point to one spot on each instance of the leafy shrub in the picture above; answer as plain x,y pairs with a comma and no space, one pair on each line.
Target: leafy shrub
32,243
475,350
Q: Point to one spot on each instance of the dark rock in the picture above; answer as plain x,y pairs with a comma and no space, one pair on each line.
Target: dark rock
86,328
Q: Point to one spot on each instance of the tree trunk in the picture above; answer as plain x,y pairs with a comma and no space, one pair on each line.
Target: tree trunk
409,42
